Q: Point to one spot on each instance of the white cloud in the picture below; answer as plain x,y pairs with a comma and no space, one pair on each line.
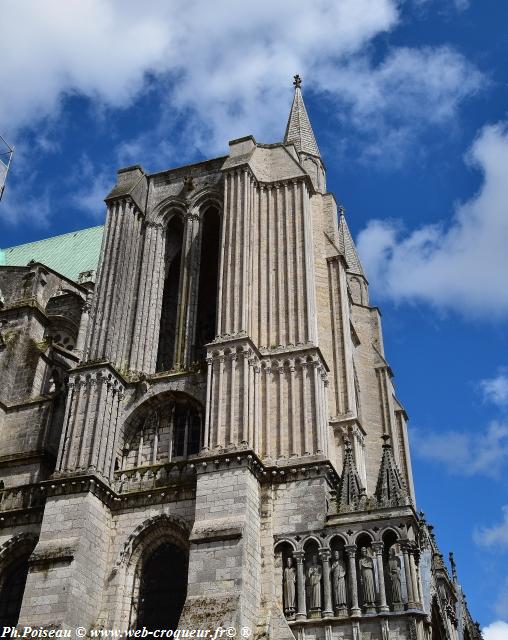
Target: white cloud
225,66
497,630
495,389
461,266
496,536
92,187
409,90
464,453
221,70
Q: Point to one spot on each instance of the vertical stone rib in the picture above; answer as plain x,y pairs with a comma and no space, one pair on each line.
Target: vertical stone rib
268,447
124,287
88,419
191,301
293,425
260,271
263,268
232,436
281,427
336,326
223,271
115,436
289,279
109,274
98,299
208,407
143,294
220,432
245,398
99,419
309,267
257,405
66,421
318,416
154,306
306,411
245,253
269,284
299,270
118,289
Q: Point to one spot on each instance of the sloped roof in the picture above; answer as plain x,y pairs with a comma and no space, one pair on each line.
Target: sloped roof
348,248
68,254
299,130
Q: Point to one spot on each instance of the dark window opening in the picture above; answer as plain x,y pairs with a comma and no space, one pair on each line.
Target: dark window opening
169,313
163,588
11,592
208,277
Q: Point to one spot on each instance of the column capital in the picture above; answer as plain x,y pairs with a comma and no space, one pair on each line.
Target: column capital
299,555
324,553
378,546
350,549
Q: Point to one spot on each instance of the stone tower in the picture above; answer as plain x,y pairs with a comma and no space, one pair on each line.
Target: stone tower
218,443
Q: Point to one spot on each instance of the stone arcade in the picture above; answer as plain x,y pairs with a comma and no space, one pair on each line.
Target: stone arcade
207,433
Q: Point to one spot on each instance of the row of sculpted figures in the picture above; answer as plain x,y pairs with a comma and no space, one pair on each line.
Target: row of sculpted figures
338,579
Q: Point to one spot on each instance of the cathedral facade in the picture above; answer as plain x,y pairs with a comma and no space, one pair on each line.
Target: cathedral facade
199,428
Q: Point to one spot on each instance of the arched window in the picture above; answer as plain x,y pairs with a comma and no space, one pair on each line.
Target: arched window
169,312
162,587
174,429
206,321
11,591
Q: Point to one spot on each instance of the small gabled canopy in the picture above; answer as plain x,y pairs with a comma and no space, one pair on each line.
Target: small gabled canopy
299,130
390,488
348,248
351,491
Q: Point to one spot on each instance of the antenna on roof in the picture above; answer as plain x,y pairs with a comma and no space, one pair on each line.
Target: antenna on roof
6,153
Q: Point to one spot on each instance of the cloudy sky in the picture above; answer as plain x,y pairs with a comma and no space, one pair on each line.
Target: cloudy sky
409,101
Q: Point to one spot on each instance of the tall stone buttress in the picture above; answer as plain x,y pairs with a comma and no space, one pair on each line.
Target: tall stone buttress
216,441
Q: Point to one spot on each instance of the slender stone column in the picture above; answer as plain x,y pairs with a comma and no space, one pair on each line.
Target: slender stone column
83,325
208,408
378,549
414,577
353,586
301,612
327,585
409,580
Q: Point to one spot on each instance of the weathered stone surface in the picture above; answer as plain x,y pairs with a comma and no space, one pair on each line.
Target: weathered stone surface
211,407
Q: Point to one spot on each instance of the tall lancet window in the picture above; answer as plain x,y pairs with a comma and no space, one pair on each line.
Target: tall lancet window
168,321
206,322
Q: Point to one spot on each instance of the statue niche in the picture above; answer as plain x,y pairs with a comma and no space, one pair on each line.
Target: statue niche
339,586
314,575
289,588
367,580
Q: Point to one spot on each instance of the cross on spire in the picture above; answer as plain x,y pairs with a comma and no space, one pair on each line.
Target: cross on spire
297,81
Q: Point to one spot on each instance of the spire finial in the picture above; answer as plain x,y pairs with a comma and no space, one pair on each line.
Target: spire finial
297,81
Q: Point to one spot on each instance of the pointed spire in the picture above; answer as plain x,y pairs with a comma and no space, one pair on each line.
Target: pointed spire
347,246
390,488
299,130
351,493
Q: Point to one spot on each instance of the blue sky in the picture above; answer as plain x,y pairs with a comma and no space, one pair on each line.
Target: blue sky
409,102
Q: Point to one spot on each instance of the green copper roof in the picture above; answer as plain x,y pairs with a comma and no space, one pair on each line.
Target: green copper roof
68,254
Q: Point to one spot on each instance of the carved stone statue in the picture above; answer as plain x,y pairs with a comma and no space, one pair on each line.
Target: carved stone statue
394,569
366,565
288,585
314,574
338,575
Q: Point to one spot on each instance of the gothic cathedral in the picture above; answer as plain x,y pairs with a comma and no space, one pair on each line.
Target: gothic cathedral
205,434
